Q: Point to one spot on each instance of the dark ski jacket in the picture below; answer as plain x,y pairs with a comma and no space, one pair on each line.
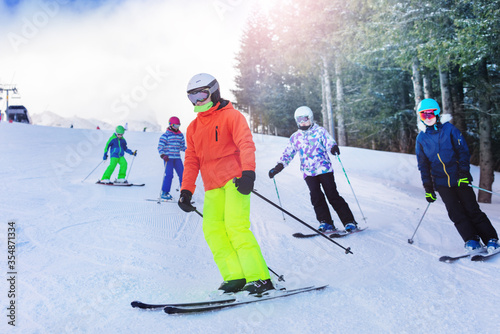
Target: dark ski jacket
117,147
442,154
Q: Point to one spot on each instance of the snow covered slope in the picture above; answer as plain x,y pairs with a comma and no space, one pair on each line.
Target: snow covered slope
48,118
85,251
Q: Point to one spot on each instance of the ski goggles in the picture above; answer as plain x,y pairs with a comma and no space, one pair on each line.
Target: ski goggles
302,119
200,96
427,114
175,126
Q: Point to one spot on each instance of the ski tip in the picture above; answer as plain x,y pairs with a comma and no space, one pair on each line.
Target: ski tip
135,303
477,258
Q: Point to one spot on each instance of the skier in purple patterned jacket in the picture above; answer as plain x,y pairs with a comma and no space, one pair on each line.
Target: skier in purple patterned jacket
313,142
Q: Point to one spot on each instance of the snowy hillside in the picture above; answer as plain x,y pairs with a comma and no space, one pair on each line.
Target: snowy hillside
85,251
48,118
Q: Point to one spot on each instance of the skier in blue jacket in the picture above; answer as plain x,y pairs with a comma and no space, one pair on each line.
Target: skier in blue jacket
117,145
443,160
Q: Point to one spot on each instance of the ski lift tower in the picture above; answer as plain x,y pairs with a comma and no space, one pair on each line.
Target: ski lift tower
7,89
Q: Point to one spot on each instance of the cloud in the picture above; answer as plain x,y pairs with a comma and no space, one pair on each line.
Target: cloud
117,60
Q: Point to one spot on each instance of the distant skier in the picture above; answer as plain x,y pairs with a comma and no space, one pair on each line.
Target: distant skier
169,147
443,160
313,142
221,147
117,145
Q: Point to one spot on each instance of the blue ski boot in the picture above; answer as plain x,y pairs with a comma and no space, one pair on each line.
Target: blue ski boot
351,227
325,227
166,196
492,246
473,246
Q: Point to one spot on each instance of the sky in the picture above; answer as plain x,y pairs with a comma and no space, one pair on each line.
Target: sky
117,60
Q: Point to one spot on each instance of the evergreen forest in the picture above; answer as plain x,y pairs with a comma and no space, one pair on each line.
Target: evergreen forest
363,66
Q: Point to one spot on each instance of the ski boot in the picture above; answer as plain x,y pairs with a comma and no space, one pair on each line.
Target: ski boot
166,196
492,246
325,227
259,287
351,227
473,246
121,181
231,286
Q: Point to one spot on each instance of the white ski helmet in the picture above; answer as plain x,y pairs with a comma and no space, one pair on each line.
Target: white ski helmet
302,112
203,80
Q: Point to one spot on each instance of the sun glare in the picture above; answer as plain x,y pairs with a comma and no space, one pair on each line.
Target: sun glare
265,5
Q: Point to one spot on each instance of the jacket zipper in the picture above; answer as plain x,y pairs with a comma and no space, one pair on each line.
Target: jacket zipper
216,133
444,168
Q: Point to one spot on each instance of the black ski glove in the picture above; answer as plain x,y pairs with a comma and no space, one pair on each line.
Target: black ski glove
278,168
245,182
430,195
335,150
185,201
464,178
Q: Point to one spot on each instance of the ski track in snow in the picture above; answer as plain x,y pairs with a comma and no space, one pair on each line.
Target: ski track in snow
84,251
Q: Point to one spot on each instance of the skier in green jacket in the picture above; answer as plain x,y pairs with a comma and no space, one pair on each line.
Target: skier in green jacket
117,145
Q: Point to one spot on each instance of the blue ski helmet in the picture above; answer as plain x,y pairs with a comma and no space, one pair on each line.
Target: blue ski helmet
429,104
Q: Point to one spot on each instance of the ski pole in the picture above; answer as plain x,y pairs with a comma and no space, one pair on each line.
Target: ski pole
126,178
161,189
93,170
280,277
277,193
410,241
488,191
347,250
351,188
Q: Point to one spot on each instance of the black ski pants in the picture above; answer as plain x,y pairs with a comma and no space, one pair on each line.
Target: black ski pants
327,181
464,212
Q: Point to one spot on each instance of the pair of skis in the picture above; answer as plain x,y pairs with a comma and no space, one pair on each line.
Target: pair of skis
161,200
121,184
334,234
230,301
475,257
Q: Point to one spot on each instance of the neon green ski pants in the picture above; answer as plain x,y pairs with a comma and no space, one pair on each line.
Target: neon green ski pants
122,173
226,226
